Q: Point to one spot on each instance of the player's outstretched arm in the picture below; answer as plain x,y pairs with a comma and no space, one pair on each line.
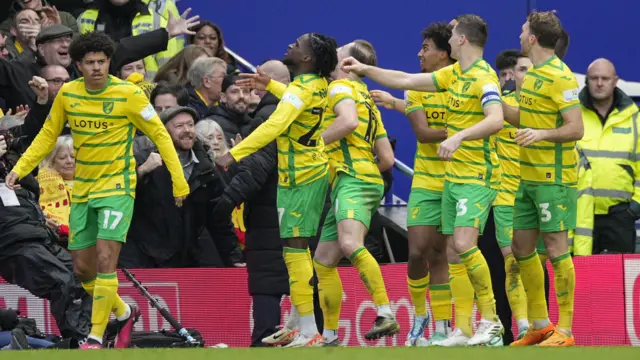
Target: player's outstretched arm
345,123
261,81
289,108
491,124
391,78
45,141
383,98
511,114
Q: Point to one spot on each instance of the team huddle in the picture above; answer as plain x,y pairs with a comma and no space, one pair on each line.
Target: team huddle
478,148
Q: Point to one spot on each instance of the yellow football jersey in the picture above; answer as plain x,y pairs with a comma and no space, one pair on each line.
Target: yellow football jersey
428,168
354,154
469,91
547,91
296,126
103,124
509,159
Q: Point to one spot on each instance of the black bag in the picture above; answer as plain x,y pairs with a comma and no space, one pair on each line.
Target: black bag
161,339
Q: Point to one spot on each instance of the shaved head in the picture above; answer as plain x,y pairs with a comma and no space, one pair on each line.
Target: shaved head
277,71
601,80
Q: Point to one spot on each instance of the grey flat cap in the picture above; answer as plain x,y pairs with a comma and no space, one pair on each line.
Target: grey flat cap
52,32
170,113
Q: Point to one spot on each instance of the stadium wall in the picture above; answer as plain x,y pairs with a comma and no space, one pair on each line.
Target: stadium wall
258,30
215,301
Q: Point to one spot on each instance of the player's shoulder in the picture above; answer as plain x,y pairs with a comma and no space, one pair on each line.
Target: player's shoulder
510,98
341,86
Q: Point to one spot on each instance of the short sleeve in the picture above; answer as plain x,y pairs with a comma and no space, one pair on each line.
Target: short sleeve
339,91
412,101
442,78
565,92
489,89
381,132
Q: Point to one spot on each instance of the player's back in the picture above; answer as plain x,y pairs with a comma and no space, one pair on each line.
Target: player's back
428,168
301,156
354,154
469,91
547,91
102,138
509,158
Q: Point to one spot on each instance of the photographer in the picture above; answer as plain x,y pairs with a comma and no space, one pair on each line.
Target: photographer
29,254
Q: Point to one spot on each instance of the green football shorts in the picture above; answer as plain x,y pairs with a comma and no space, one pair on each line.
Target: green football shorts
300,208
550,208
425,208
465,205
106,218
351,198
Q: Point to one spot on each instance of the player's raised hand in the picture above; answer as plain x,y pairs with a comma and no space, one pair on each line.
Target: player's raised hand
181,25
12,181
350,64
383,98
257,81
526,137
448,147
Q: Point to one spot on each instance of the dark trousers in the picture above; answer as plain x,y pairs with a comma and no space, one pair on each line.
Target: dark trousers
133,257
46,271
615,232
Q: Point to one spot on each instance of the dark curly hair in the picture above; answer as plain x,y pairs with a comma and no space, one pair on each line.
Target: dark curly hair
507,59
325,55
439,33
91,42
221,53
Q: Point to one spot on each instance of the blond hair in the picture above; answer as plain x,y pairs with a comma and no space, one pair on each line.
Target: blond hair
65,141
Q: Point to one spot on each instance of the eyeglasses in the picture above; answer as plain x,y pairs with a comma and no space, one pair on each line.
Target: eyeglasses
58,81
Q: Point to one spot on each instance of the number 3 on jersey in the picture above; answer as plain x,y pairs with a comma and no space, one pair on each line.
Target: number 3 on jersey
117,216
461,207
545,214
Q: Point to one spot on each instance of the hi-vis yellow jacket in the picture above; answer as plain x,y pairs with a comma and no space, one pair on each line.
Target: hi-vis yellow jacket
609,165
156,16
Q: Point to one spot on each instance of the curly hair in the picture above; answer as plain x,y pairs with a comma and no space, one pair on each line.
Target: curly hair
439,33
507,59
221,52
325,55
95,42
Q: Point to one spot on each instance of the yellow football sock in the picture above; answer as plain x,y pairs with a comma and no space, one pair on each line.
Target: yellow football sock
463,293
418,293
533,281
515,291
565,284
480,276
300,275
370,275
119,306
330,292
440,295
105,292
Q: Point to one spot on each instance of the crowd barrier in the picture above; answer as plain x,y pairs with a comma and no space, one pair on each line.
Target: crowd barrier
216,302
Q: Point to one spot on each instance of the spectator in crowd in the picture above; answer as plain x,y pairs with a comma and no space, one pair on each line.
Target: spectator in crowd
205,84
124,18
130,68
49,15
4,52
609,204
56,183
165,96
175,70
209,35
211,132
505,64
232,113
53,49
268,102
24,29
254,100
167,236
30,256
55,76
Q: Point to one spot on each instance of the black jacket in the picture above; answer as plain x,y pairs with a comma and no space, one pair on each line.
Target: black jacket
161,229
265,108
230,122
255,182
196,103
25,222
15,75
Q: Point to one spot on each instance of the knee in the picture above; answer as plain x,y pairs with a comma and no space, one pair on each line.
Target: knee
349,245
83,271
461,244
417,258
106,262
